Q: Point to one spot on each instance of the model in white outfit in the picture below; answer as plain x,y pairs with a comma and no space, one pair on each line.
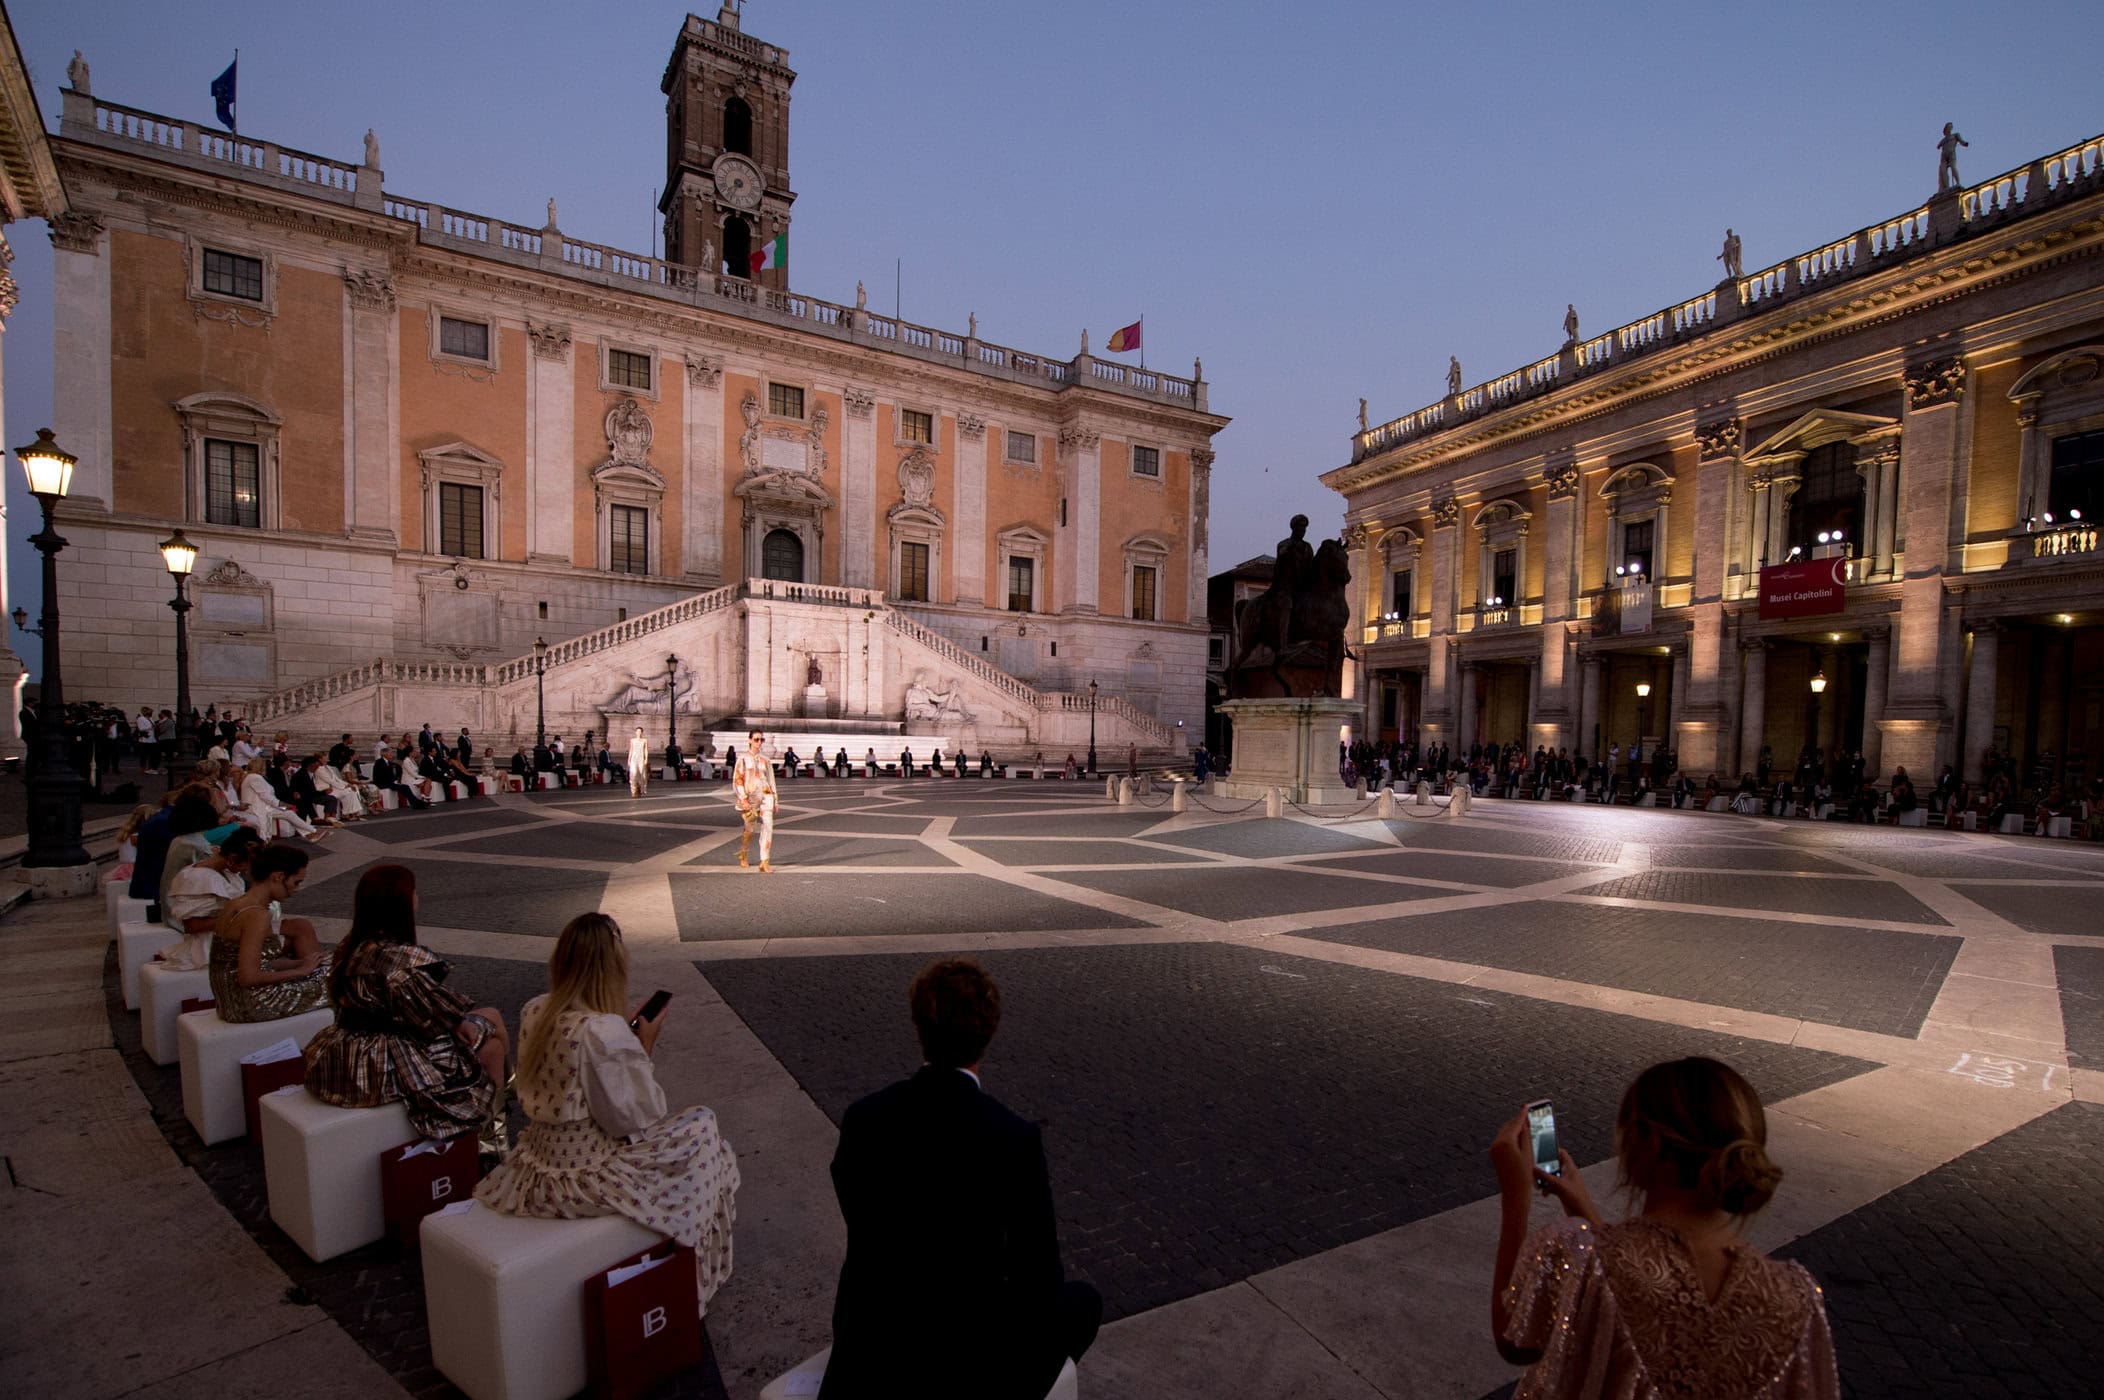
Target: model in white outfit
413,778
753,792
350,805
278,819
638,764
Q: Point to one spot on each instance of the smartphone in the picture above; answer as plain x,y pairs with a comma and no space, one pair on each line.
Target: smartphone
655,1007
1541,1127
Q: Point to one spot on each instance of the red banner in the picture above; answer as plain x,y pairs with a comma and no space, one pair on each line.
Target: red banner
1808,588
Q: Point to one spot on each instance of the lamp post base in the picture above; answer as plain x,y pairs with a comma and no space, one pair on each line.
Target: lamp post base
59,881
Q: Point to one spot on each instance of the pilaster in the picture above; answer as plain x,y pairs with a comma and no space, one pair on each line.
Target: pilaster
80,353
1917,716
1980,697
371,503
1753,707
701,471
968,533
858,490
551,467
1201,534
1079,542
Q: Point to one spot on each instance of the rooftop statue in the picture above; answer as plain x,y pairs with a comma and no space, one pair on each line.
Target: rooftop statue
1453,374
1570,323
77,74
1291,636
372,150
1947,159
1730,257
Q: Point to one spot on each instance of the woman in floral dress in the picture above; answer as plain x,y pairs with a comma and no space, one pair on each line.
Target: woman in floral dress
600,1141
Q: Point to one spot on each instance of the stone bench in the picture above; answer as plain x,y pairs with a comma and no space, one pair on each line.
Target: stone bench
321,1169
804,1378
136,945
162,992
503,1295
210,1052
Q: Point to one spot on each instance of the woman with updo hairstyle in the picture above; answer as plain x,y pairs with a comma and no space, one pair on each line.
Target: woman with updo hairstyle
1671,1302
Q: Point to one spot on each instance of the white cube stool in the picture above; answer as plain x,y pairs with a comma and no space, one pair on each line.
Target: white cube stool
812,1370
162,992
483,788
456,791
136,945
210,1051
2012,824
389,799
1919,816
2060,826
321,1168
1718,804
504,1297
1968,821
549,780
123,909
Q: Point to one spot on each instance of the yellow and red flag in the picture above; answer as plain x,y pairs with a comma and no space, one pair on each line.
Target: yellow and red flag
1126,339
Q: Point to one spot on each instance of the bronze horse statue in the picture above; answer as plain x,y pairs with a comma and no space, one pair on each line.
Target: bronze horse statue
1302,627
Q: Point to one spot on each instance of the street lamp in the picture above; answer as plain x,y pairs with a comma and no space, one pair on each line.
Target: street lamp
540,696
1811,724
1092,729
1643,709
181,557
54,789
671,703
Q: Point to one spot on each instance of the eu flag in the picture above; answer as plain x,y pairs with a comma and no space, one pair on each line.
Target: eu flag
223,94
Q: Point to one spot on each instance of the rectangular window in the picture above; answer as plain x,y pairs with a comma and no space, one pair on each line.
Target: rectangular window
630,550
2076,488
1022,447
467,339
1022,578
785,401
1504,579
1399,593
628,369
1146,461
913,572
1216,651
1636,546
915,426
231,275
459,520
1142,593
233,484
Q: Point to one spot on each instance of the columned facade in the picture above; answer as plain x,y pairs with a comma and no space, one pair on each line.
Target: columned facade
1917,486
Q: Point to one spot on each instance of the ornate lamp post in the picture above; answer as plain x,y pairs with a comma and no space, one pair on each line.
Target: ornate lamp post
1643,709
181,557
671,702
1092,729
540,695
54,789
1811,727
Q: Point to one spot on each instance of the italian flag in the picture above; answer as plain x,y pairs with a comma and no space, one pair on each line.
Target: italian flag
773,253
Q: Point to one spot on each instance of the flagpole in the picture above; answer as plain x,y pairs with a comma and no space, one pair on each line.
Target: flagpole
1143,340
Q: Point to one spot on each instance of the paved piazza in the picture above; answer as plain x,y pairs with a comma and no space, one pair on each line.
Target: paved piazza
1268,1054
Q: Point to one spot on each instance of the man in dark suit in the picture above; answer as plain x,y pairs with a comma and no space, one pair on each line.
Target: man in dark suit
342,756
952,1285
387,776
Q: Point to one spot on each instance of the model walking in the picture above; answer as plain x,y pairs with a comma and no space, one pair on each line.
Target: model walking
752,788
638,764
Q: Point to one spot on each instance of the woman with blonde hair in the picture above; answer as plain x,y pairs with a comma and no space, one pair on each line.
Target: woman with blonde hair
275,818
1672,1301
600,1141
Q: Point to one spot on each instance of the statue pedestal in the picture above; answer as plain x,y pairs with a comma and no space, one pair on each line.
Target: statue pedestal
814,702
1290,745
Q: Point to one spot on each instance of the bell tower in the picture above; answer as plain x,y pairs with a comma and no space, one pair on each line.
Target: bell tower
727,192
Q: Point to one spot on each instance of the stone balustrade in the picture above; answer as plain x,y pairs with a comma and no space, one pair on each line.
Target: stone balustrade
94,121
2062,541
2049,180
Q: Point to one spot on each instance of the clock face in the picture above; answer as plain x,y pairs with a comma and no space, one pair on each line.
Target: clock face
738,182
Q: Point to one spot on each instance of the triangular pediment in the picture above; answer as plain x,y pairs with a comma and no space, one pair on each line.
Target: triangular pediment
1822,426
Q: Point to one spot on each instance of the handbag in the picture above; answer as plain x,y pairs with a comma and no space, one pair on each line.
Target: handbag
418,1178
642,1322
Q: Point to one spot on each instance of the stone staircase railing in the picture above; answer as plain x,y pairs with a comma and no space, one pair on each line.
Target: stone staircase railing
588,643
293,699
1147,725
957,656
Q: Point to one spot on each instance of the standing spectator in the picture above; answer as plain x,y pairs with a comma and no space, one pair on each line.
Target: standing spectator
342,755
1640,1308
952,1272
149,747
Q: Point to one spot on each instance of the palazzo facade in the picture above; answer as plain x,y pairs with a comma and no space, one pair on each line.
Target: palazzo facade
408,436
1848,500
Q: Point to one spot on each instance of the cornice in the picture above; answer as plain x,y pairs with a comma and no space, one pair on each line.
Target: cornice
1909,293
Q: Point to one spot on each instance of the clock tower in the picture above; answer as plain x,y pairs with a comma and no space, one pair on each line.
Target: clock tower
727,192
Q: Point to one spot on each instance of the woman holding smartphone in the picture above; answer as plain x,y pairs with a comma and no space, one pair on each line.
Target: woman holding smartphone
1672,1300
601,1141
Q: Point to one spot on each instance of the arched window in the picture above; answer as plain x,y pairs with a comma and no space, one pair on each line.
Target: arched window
737,246
782,556
737,126
1828,498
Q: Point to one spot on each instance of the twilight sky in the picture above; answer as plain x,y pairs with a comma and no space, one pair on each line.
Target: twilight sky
1322,200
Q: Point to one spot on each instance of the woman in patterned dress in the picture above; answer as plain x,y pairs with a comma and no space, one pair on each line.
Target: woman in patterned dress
600,1141
402,1035
265,967
1671,1303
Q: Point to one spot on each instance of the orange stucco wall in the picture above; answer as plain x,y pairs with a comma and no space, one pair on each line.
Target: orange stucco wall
443,403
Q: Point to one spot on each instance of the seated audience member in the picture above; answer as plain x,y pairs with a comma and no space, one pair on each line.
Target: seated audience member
1822,798
607,762
1779,801
1673,1300
1069,770
464,748
150,852
1747,801
840,764
789,762
265,967
600,1141
128,840
986,763
952,1273
581,756
197,827
543,758
418,781
342,754
1902,796
341,788
869,762
1954,811
521,766
309,793
401,1034
274,819
197,894
388,777
675,759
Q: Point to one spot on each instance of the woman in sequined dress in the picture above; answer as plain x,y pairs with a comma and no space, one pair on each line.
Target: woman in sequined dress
265,967
1671,1303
